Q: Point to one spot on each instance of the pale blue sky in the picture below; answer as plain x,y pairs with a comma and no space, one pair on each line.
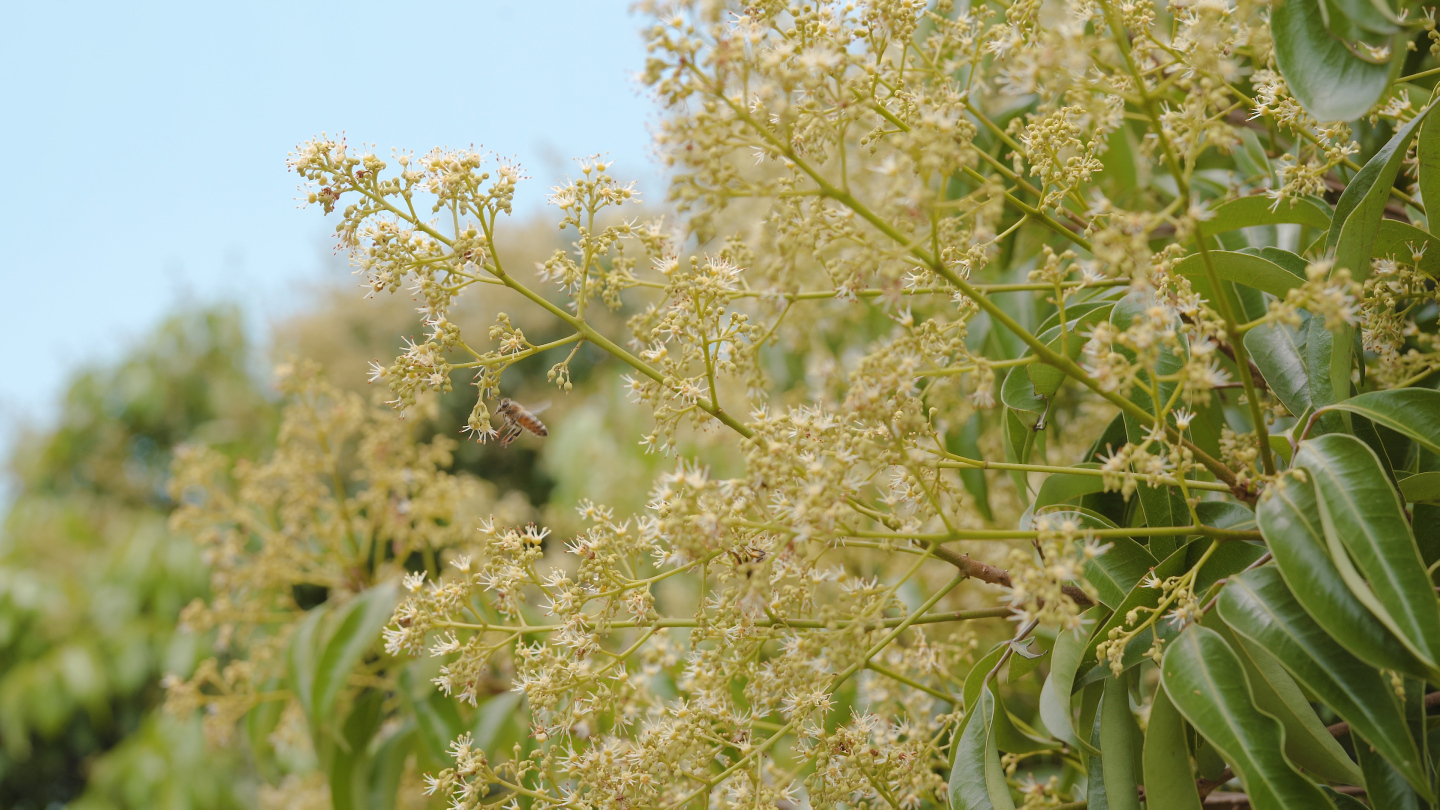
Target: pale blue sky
145,144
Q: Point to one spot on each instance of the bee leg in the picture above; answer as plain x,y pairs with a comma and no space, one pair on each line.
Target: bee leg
509,434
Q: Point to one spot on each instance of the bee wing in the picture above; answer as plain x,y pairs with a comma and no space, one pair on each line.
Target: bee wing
536,410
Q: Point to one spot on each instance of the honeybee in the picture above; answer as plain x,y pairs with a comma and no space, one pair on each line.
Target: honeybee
513,419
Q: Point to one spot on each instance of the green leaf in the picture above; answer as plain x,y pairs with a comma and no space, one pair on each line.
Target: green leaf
1367,15
260,722
1278,350
1343,801
1231,557
387,765
1062,487
1385,786
1023,661
1251,157
966,442
500,723
301,658
1010,734
1018,394
1116,572
1055,708
1242,268
1225,515
1329,81
437,720
347,763
1259,607
356,631
1095,792
1294,264
1021,440
1246,212
1413,412
1401,240
1421,487
1169,780
1427,153
1320,356
1117,746
1361,512
1206,682
977,782
1307,743
1289,518
1044,380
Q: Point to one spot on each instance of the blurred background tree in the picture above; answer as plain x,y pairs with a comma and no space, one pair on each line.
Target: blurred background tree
91,581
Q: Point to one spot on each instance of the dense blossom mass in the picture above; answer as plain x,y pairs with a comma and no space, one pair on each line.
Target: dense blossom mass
954,279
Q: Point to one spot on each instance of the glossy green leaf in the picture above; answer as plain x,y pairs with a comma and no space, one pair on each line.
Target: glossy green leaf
1116,572
1018,394
1401,240
1413,412
1319,356
1258,606
1096,793
1242,268
1427,154
1119,738
1278,350
977,782
1225,515
1169,780
1373,16
1247,212
1307,742
1055,708
1289,519
1343,801
1206,682
1421,487
1021,439
1385,786
356,631
1293,263
1362,512
1329,81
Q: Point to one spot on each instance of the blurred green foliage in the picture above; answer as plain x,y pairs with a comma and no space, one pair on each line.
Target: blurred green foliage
91,581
